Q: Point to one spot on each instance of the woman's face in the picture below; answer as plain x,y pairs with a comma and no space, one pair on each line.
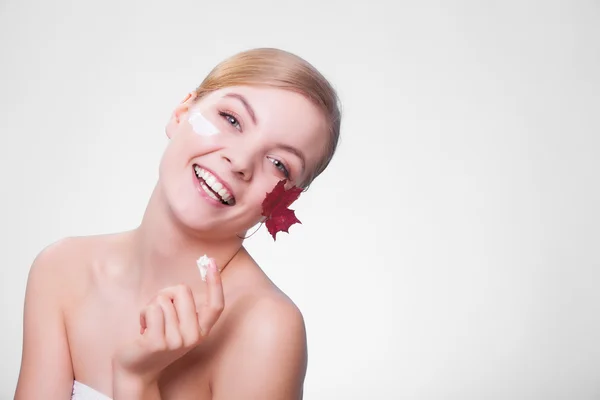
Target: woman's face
264,135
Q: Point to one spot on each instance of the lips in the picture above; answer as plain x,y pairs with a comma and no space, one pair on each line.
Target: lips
213,186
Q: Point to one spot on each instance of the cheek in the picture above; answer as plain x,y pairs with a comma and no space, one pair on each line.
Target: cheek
255,201
201,126
260,191
186,145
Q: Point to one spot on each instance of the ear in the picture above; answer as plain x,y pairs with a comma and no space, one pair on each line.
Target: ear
178,113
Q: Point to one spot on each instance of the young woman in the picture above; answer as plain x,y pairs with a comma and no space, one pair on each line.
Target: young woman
129,314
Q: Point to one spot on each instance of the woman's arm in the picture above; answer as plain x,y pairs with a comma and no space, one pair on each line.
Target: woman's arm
268,358
46,370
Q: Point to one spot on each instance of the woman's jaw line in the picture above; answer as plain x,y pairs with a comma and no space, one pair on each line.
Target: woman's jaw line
161,241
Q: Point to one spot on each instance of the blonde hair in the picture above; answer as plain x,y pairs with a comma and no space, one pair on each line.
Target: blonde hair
281,69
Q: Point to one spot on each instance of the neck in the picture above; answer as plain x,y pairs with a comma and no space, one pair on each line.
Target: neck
164,248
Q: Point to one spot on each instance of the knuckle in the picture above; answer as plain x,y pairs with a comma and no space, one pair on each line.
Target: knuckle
157,346
211,310
175,342
191,338
162,297
216,308
155,302
163,300
182,289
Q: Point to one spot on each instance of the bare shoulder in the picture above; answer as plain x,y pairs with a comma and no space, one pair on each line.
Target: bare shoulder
58,253
272,315
263,312
267,351
52,262
57,256
46,368
65,265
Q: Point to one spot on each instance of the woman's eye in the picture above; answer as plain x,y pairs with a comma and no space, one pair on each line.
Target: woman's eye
232,120
281,167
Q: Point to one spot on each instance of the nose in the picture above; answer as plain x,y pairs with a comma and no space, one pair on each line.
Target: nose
240,166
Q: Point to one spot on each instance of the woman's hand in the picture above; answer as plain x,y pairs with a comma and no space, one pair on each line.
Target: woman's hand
170,326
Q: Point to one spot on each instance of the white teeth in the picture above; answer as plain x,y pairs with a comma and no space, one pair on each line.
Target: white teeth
217,187
214,184
209,192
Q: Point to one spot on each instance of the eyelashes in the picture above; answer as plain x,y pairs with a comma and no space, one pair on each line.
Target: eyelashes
281,167
234,120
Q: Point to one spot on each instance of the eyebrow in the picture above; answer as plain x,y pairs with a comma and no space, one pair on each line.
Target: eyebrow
247,105
294,151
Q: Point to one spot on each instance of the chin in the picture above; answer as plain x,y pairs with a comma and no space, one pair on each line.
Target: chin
194,211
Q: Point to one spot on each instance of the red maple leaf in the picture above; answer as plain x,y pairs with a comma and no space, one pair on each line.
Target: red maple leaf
275,208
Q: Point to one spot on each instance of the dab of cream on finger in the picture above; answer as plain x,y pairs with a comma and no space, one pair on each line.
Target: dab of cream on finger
200,124
202,264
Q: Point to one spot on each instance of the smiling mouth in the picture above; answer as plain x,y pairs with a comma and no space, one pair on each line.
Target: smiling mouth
213,188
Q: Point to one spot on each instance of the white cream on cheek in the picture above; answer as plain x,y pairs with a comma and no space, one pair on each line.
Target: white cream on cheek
200,124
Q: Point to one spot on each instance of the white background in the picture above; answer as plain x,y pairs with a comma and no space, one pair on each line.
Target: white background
451,250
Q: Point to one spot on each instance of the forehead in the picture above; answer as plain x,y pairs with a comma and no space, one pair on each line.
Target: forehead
282,116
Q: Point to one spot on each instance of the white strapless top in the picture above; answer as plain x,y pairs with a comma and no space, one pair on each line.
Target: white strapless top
84,392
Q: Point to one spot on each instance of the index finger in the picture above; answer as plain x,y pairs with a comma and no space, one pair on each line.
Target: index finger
215,299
